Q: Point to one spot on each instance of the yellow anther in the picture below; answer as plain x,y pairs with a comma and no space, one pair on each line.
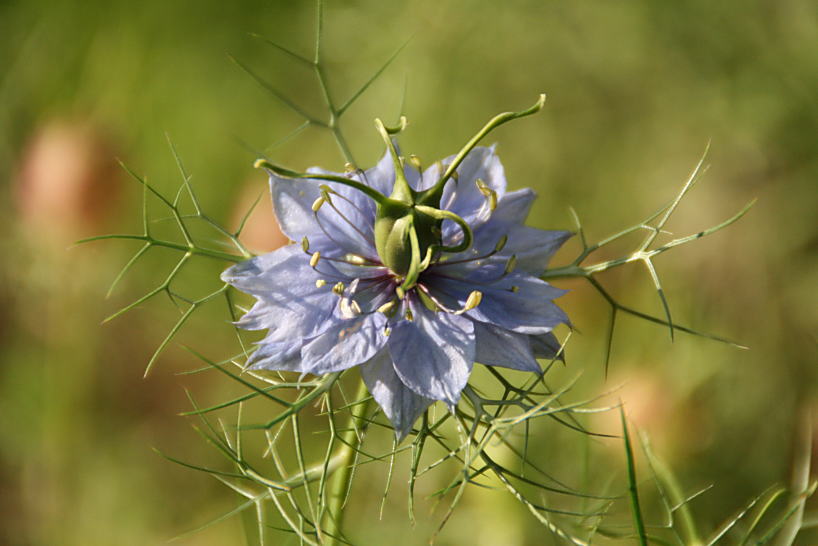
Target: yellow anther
387,307
339,288
314,259
320,283
318,203
355,259
488,193
349,167
515,289
400,292
415,162
409,315
305,244
511,264
501,244
473,301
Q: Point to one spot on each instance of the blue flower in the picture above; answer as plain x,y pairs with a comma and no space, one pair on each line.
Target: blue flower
414,288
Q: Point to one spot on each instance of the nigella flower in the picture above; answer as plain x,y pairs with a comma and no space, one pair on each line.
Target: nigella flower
413,288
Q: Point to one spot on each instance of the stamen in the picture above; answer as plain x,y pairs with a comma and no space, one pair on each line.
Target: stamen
473,300
488,193
358,260
387,331
415,162
510,265
348,221
401,293
497,248
339,288
320,283
318,203
314,259
387,307
324,230
409,315
351,203
350,308
305,244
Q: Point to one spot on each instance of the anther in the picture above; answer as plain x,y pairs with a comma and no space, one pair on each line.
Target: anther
387,331
305,244
473,300
510,264
339,288
349,167
488,193
386,307
409,315
501,244
515,289
318,203
401,293
415,162
314,259
355,259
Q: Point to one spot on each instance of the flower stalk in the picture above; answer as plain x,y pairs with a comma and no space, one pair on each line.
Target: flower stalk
351,439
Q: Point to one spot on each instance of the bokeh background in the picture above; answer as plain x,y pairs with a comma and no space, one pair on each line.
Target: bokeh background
635,89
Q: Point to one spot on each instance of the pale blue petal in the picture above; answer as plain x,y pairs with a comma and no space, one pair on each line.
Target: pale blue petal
516,302
347,343
289,303
380,178
533,247
514,206
499,347
345,230
280,355
400,404
547,346
463,196
434,353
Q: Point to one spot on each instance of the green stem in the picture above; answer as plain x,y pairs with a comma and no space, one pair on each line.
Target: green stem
194,250
564,272
495,122
351,441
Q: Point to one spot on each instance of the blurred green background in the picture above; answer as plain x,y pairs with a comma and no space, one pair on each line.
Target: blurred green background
635,89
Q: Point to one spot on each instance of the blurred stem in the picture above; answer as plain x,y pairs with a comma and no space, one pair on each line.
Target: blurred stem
564,272
680,504
351,438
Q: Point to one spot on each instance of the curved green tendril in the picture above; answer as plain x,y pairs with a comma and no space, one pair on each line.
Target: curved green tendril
449,215
493,123
287,173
